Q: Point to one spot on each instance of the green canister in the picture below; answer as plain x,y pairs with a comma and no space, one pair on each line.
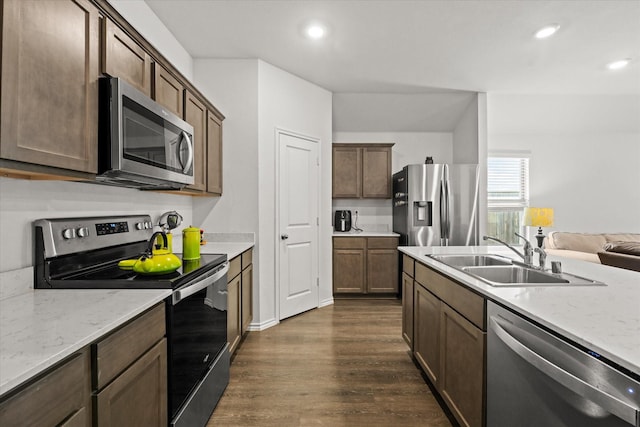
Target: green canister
190,243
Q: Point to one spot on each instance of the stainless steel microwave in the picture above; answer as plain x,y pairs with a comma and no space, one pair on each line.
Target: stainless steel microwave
140,143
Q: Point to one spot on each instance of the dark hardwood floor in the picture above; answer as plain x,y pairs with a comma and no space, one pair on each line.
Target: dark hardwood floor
341,365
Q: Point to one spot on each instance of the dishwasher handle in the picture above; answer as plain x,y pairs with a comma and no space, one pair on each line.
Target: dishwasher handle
579,386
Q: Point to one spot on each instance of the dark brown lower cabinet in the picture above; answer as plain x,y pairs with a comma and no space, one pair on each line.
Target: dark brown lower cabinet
239,298
126,369
365,265
247,298
234,309
426,329
407,309
462,347
61,397
138,396
449,342
130,373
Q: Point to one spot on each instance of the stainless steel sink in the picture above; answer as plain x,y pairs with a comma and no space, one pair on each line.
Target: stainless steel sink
471,260
521,276
497,270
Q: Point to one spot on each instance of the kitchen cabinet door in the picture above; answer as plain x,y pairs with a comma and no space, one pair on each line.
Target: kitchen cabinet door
168,91
62,397
347,172
426,331
376,173
50,70
123,57
214,154
407,309
348,270
247,297
382,270
196,116
462,367
138,396
234,310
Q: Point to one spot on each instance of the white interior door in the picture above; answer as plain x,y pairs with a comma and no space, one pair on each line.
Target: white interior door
298,223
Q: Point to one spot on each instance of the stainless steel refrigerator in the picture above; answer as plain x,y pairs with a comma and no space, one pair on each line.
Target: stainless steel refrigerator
436,205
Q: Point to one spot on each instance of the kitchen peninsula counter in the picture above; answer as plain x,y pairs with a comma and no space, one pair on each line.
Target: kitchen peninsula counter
604,319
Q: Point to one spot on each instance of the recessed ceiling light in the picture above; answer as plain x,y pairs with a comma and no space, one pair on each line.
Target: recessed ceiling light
547,31
315,31
616,65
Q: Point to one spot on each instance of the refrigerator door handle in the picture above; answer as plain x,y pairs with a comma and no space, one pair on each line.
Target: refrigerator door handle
447,190
443,214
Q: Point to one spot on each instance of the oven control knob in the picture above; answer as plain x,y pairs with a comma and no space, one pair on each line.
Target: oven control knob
148,225
69,233
82,232
140,225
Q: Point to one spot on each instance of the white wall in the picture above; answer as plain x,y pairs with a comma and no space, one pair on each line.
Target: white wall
23,201
585,155
232,85
409,148
143,19
465,135
290,103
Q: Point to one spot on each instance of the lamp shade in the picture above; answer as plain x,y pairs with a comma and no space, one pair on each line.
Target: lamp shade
538,217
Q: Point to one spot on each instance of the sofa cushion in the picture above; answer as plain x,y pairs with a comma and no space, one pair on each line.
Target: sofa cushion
629,248
581,242
628,237
582,256
614,259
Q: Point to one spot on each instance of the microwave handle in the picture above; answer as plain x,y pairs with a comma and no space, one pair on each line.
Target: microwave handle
189,162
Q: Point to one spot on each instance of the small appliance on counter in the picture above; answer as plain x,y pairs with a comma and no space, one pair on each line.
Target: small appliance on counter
342,220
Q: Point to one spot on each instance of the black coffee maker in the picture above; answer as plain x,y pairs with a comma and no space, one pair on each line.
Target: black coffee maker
342,221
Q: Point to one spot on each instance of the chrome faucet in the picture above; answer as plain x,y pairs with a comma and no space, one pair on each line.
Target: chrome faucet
527,256
543,257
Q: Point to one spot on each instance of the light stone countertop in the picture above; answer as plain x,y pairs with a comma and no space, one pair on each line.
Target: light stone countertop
39,328
605,319
232,249
354,233
218,243
42,327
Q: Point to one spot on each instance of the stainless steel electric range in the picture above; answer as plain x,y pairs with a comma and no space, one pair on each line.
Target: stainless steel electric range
84,253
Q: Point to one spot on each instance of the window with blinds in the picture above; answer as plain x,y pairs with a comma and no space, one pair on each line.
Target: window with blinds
508,194
508,181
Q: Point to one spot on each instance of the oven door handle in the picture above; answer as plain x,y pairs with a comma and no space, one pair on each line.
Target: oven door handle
187,291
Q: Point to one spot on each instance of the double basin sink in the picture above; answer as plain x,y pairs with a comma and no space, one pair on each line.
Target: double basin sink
497,270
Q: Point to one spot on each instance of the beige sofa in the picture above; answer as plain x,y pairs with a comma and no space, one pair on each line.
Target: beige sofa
583,246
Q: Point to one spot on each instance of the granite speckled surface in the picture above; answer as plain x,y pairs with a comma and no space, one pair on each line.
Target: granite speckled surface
39,328
354,233
42,327
605,319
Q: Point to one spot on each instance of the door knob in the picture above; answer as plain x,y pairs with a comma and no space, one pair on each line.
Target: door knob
284,236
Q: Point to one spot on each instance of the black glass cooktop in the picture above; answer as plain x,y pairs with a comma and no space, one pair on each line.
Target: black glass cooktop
110,276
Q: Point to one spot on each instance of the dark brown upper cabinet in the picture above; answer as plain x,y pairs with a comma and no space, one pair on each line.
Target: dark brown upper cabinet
50,69
362,171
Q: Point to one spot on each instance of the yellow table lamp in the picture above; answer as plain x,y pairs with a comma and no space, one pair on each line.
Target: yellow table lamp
538,217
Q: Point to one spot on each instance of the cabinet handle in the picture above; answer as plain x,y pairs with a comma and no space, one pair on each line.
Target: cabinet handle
284,236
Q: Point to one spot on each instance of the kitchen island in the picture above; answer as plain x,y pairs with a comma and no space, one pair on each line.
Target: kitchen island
450,318
603,319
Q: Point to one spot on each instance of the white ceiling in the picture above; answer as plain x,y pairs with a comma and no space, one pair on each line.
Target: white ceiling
414,47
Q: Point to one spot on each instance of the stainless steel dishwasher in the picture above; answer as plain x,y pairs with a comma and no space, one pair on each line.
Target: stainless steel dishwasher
536,379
